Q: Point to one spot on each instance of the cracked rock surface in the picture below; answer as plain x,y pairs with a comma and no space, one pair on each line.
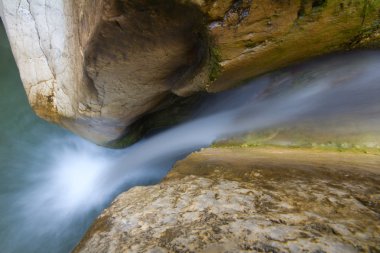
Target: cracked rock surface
249,200
97,66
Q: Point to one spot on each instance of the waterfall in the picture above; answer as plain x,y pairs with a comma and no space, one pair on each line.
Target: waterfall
55,184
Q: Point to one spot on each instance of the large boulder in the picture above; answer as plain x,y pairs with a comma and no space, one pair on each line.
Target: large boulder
97,66
249,200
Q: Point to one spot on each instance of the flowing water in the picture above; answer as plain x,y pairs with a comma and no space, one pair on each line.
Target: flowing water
53,184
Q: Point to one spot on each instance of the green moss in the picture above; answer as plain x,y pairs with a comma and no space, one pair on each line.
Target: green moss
215,59
314,147
299,138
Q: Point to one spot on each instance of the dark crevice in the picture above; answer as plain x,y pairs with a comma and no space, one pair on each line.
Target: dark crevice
119,25
171,111
308,6
302,9
318,3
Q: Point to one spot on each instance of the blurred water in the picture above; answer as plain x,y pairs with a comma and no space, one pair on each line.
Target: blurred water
53,184
30,155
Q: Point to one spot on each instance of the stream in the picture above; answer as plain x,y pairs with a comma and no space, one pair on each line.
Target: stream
54,184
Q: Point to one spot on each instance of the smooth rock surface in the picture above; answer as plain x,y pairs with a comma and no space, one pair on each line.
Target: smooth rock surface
249,200
95,67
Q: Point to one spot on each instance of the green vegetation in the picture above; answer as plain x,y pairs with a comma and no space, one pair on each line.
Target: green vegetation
215,59
297,138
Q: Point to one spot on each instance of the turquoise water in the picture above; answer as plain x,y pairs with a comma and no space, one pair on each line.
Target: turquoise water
22,157
30,154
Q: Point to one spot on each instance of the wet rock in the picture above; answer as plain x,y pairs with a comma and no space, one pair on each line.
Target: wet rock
249,200
96,67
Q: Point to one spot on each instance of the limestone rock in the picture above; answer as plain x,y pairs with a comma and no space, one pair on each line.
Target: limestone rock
249,200
96,66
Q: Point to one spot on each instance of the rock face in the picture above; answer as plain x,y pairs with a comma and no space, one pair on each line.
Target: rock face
249,200
95,67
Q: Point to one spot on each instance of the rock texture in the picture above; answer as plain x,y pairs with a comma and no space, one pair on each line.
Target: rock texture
97,66
249,200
